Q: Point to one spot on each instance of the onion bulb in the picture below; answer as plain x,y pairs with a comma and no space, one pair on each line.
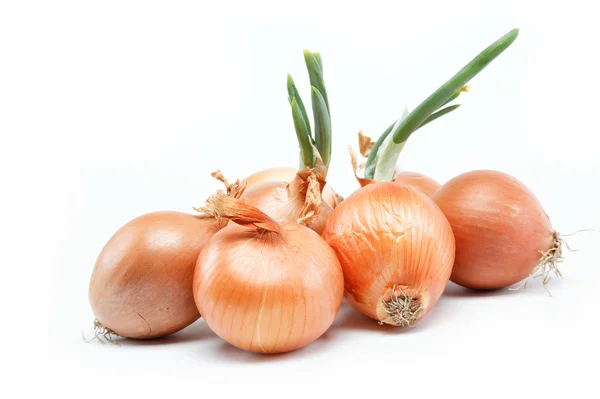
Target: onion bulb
287,175
298,201
396,249
264,286
141,284
503,235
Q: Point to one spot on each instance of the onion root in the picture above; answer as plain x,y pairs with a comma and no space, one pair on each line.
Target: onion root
401,306
548,264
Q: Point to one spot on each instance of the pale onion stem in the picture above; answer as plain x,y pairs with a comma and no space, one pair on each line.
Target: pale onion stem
387,160
387,156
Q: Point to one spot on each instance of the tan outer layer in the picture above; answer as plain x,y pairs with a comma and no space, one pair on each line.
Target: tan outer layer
287,175
419,181
264,295
276,200
386,235
141,285
499,226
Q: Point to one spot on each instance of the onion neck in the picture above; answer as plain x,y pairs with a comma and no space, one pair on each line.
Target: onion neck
223,208
307,189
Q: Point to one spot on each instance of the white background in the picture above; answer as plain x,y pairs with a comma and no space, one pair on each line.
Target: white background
113,109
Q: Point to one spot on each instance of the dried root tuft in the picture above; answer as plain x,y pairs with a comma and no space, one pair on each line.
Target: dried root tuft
102,334
402,308
548,263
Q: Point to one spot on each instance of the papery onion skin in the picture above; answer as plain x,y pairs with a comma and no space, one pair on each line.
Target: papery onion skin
499,225
276,199
391,238
266,293
419,181
286,175
141,284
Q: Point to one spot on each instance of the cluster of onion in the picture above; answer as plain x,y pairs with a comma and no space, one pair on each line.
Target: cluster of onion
273,279
161,271
261,285
141,283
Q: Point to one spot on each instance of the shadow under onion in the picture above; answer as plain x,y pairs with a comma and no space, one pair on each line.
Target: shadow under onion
237,355
197,331
349,318
456,291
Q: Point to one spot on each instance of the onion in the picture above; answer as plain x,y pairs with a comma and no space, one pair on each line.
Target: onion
503,235
396,249
287,175
141,284
298,201
263,286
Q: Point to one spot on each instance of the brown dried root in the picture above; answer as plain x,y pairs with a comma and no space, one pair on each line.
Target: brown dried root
549,262
102,334
402,308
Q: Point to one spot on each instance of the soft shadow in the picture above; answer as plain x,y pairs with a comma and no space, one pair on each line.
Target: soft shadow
456,291
350,319
234,354
197,331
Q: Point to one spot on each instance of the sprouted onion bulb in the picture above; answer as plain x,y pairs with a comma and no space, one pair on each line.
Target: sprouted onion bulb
282,192
141,284
264,286
503,235
396,249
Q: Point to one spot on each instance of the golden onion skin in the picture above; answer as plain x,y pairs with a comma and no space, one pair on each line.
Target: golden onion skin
268,293
419,181
141,284
276,199
391,239
499,225
287,175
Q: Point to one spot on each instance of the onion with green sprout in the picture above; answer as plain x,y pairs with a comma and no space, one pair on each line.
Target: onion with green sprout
396,246
302,194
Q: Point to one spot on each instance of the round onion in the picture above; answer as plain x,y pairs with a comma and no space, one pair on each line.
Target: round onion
297,201
503,235
263,286
287,175
141,285
396,249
